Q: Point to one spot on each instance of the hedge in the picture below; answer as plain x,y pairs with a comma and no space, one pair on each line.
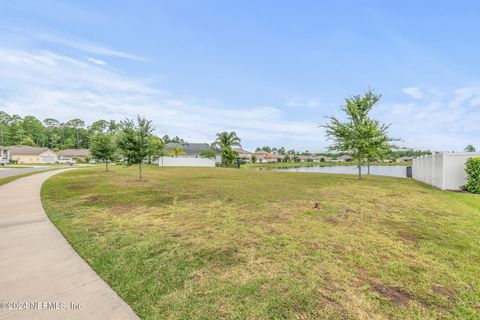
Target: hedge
472,169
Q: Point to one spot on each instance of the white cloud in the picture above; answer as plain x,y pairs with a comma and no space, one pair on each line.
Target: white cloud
46,84
413,92
96,61
85,46
442,125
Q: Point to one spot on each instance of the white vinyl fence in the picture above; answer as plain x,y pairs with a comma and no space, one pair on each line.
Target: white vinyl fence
185,162
445,170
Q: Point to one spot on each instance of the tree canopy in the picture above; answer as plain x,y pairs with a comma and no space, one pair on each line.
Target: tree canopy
225,142
359,135
135,140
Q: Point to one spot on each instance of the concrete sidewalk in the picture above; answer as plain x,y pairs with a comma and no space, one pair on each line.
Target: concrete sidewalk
40,273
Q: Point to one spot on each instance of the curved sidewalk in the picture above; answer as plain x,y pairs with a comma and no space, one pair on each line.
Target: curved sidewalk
40,273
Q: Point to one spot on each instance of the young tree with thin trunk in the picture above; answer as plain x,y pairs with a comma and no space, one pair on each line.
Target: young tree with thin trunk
359,135
103,148
134,141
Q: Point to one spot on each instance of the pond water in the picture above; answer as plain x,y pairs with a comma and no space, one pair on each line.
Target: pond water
392,171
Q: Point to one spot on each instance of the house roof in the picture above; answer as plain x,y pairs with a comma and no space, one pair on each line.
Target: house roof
27,150
274,156
74,153
191,148
240,150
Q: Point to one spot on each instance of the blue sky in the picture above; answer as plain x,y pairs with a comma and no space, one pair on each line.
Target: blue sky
270,70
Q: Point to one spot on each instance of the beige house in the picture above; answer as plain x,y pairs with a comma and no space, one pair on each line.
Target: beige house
243,154
27,154
405,159
74,154
267,157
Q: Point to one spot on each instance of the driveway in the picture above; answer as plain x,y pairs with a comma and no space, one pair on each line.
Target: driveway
41,276
7,172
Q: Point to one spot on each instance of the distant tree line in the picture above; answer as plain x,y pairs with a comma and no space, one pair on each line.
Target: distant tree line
389,154
54,134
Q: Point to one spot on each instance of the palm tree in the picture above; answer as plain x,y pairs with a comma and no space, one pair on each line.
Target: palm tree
176,151
225,141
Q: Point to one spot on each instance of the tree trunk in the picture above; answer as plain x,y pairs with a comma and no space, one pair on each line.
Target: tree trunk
140,169
368,166
106,165
359,166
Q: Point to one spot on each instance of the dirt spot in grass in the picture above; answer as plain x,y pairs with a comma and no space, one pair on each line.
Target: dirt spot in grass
441,290
96,199
345,214
137,181
79,186
121,209
408,236
393,294
326,299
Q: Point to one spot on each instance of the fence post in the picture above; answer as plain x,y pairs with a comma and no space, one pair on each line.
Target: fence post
444,170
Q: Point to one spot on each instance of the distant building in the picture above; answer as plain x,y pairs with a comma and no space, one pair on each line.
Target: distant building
312,158
268,157
345,158
405,159
192,150
73,154
27,154
4,154
244,154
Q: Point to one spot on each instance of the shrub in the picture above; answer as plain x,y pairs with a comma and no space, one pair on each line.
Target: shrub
472,169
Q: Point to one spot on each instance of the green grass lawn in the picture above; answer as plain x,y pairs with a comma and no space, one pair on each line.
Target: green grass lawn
317,164
215,243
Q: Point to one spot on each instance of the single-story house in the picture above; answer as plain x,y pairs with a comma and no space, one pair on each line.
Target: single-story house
4,154
345,158
27,154
405,159
74,154
267,157
190,151
312,158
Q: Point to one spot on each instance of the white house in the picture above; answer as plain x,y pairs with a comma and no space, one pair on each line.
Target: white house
344,158
4,155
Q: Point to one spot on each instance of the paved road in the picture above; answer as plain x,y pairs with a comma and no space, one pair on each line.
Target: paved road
7,172
37,265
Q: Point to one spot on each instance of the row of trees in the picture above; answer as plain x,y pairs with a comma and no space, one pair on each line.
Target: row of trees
56,135
134,141
392,154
